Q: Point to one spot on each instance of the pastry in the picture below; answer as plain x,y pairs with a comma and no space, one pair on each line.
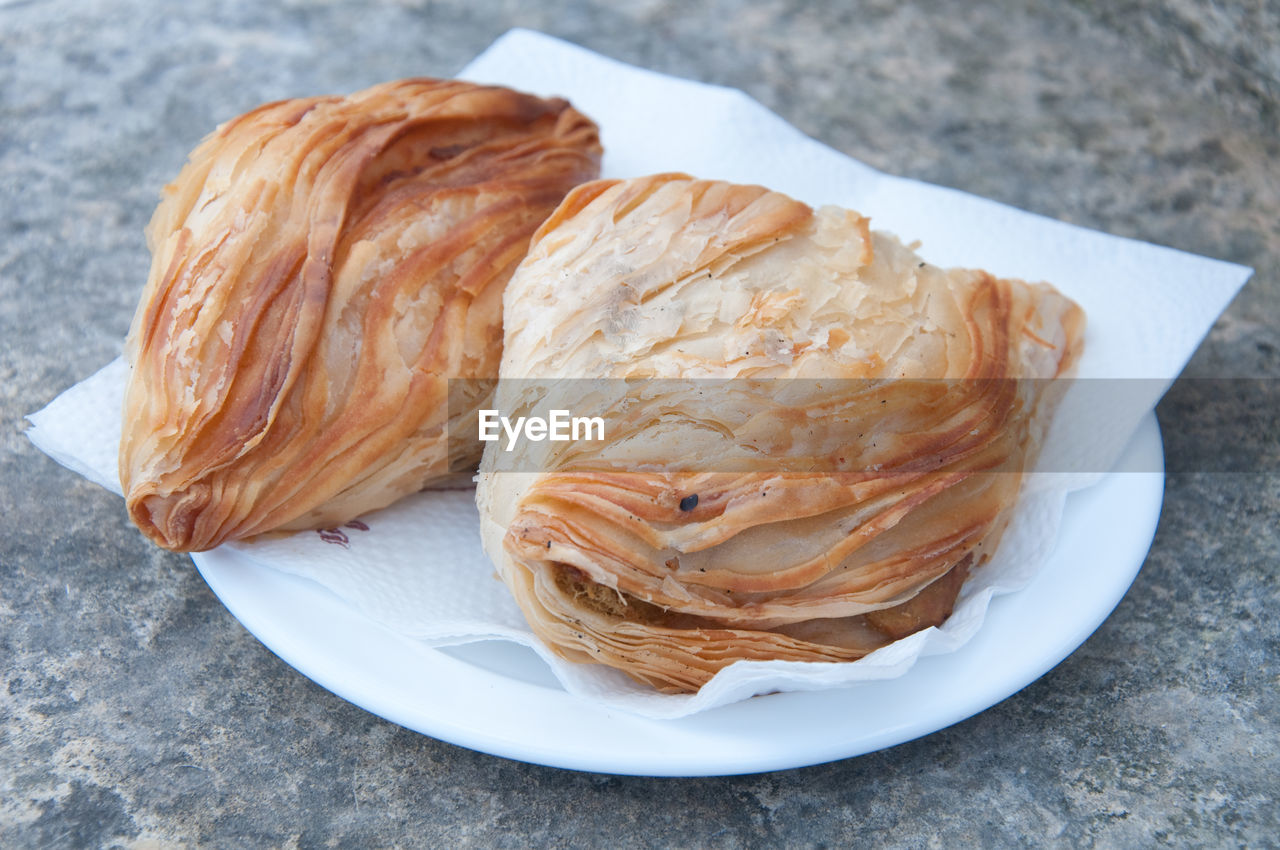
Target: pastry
812,436
321,268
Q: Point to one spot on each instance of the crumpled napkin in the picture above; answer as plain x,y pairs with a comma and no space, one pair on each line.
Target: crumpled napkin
417,566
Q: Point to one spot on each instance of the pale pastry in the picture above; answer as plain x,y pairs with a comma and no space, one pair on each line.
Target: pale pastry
811,435
320,269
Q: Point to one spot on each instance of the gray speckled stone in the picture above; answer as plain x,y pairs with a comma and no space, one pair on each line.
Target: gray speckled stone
135,712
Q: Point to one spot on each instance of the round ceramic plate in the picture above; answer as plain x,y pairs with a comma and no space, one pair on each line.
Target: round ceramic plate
500,698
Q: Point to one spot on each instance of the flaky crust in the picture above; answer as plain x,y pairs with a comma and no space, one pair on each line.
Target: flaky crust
320,269
859,454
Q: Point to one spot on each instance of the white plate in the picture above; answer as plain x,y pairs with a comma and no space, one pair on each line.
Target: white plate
502,699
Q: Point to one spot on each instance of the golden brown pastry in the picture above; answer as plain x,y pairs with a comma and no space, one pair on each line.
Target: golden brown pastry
320,269
811,437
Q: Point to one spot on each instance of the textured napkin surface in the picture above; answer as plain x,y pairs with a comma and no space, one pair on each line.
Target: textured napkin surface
417,566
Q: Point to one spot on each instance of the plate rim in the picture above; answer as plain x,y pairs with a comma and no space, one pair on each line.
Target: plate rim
486,712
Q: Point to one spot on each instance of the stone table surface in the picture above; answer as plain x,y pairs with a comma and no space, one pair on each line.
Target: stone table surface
136,712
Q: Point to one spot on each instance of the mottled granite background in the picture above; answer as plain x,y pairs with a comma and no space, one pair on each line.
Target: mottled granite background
136,712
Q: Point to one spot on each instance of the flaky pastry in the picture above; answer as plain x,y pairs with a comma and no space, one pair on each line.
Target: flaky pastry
812,436
320,269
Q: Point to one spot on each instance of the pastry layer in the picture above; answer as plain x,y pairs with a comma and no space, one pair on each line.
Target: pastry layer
693,536
320,269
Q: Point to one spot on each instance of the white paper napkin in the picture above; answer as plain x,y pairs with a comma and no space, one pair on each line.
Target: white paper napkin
417,566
